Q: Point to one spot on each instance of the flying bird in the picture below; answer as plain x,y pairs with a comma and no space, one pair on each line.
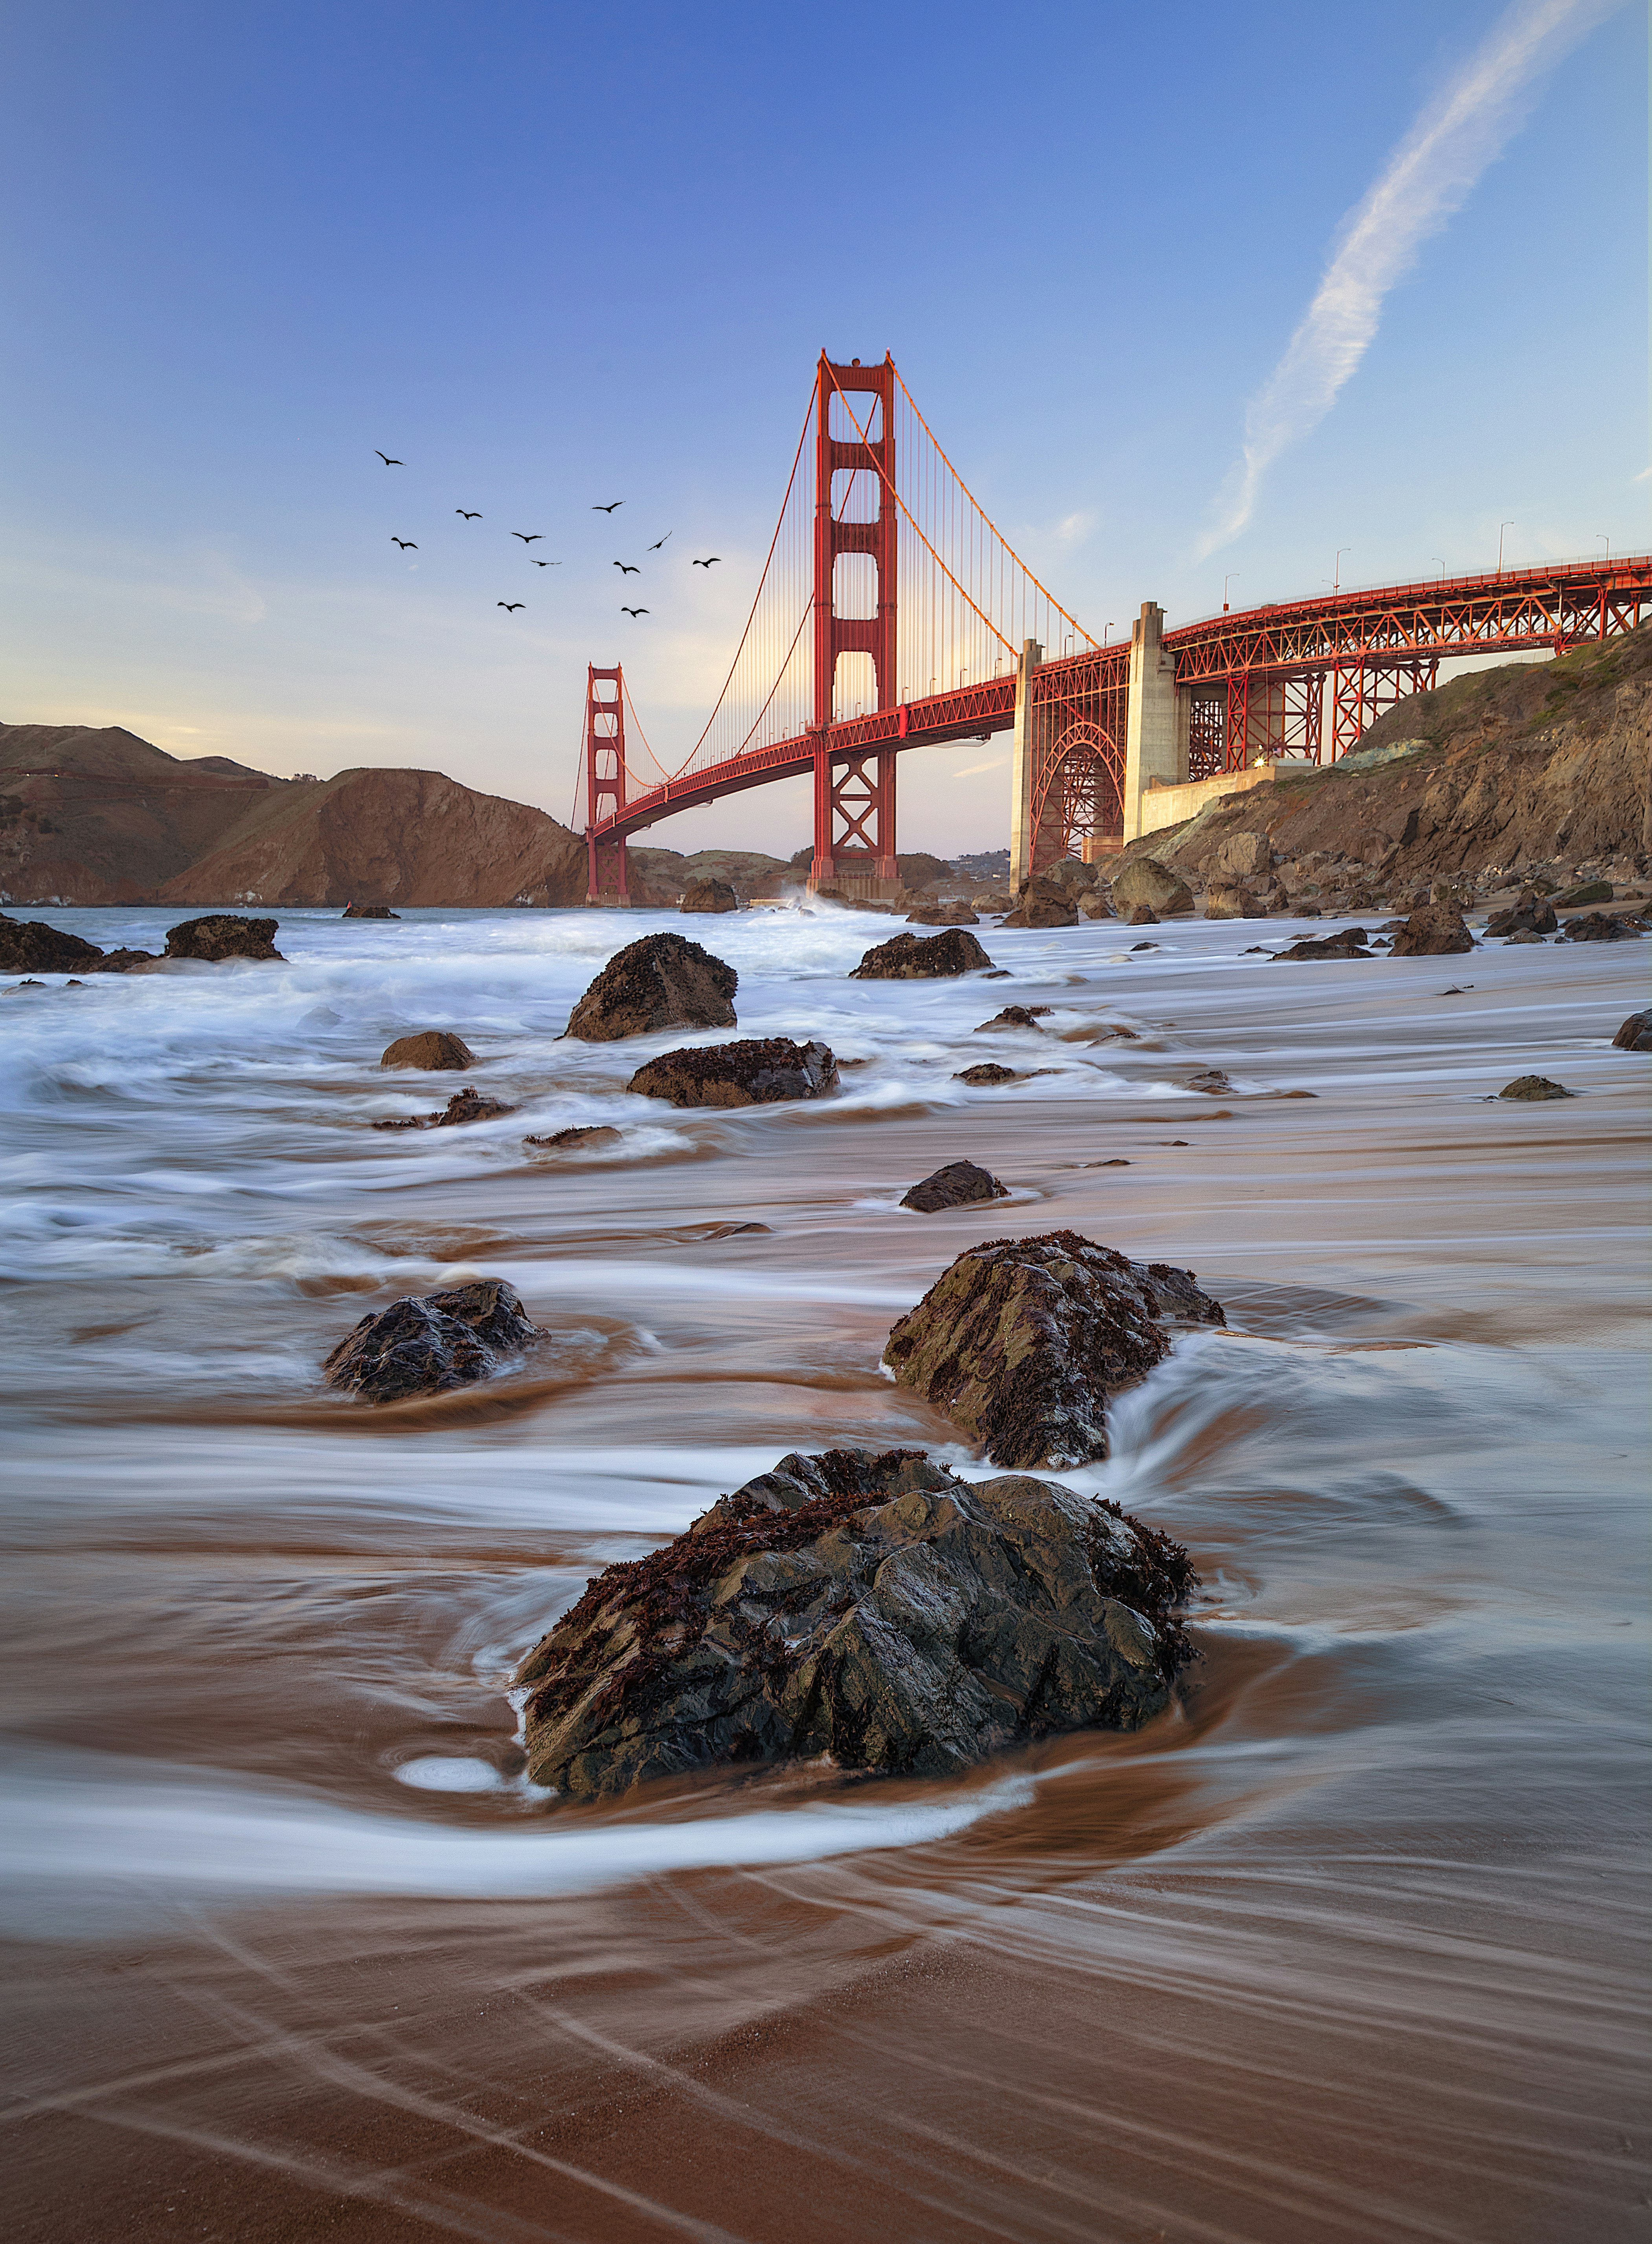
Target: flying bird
469,517
706,565
387,461
406,545
607,510
510,606
528,537
626,569
633,611
658,542
543,565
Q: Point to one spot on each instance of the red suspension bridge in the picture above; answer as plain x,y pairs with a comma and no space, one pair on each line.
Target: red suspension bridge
890,614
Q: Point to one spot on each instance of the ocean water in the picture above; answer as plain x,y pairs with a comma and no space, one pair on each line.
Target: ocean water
1345,1944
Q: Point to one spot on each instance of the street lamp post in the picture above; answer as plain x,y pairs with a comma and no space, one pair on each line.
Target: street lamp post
1509,524
1336,581
1226,581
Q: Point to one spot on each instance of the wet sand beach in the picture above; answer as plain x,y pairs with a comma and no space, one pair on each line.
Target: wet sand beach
1348,1944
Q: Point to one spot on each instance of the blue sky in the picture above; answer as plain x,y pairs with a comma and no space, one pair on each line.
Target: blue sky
552,255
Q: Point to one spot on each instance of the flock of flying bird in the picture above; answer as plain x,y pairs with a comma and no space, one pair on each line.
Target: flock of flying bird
531,539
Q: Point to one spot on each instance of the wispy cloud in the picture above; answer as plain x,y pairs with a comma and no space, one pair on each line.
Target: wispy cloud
1429,177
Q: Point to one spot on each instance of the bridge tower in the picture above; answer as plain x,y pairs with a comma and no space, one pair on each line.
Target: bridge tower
605,763
854,472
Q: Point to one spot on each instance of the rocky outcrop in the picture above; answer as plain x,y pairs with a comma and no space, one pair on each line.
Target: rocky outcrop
959,1184
920,957
872,1608
466,1106
1603,927
757,1071
1529,915
436,1050
948,915
660,981
1535,1086
1349,943
1436,931
1022,1341
223,934
1044,901
1635,1035
708,895
1146,881
430,1342
368,911
31,947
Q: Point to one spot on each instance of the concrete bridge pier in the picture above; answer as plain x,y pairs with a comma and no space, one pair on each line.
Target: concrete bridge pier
1157,722
1023,766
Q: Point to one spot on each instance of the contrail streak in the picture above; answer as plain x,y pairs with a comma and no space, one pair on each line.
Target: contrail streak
1430,175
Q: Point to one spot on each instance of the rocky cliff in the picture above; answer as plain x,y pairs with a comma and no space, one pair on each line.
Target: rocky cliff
1505,772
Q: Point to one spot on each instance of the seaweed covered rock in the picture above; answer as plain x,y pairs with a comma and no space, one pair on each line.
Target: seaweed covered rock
919,957
659,982
586,1137
955,1185
756,1072
870,1607
430,1342
29,946
223,934
1438,931
466,1106
435,1050
1021,1341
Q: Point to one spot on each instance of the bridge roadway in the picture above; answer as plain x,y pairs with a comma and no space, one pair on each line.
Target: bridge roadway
1257,673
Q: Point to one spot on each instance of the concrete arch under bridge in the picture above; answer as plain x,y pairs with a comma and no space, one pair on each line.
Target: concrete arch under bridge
1110,742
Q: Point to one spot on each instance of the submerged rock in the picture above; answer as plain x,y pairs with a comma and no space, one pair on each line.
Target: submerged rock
466,1106
586,1137
919,958
660,981
223,934
1635,1035
122,961
955,1185
756,1072
1021,1341
29,946
709,895
435,1050
368,911
1603,927
430,1342
1535,1086
1436,931
1349,943
987,1073
1014,1016
870,1607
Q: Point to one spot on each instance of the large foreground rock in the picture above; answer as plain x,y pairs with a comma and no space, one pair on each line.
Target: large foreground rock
873,1608
29,946
431,1342
660,981
435,1050
1022,1341
1435,931
756,1072
223,934
919,957
1145,881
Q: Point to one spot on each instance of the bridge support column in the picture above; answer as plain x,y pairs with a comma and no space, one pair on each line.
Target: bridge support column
605,763
1156,742
1022,766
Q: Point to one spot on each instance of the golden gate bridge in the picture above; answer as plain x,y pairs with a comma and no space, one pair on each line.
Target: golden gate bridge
892,614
